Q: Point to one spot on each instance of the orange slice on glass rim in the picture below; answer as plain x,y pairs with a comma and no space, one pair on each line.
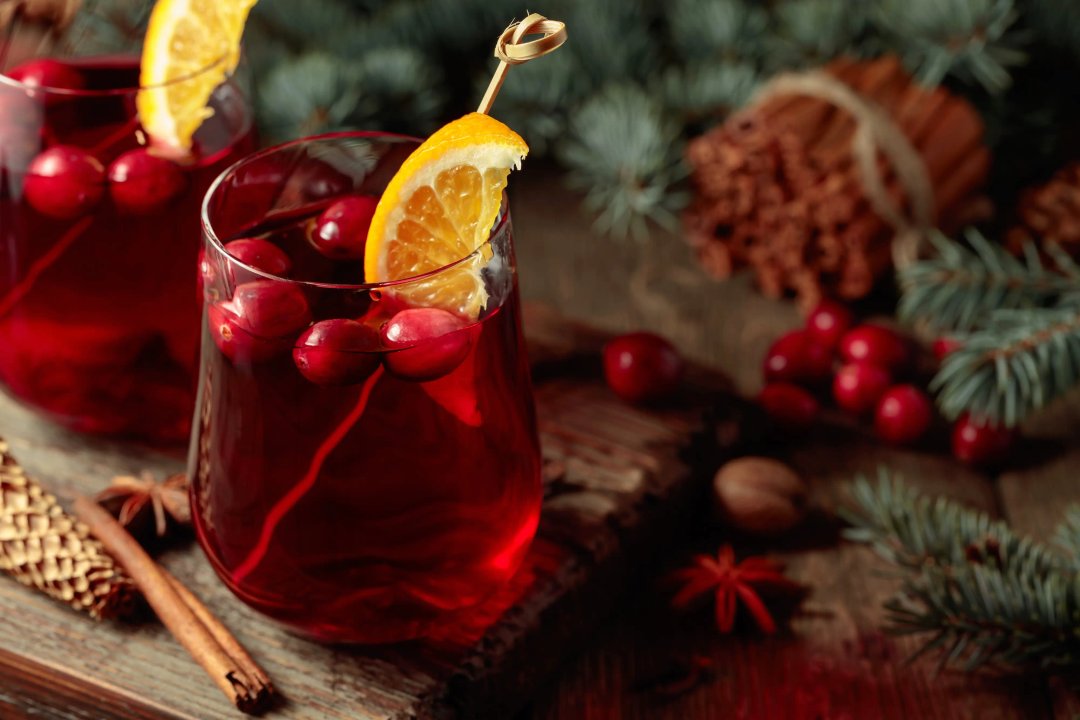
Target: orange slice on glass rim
191,46
440,208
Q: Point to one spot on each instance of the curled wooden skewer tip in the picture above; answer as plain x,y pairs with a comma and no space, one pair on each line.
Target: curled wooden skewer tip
512,49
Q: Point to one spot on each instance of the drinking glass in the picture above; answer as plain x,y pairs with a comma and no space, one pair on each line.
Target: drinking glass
364,468
99,316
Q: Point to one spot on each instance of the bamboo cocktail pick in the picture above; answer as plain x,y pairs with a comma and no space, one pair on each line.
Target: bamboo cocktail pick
512,51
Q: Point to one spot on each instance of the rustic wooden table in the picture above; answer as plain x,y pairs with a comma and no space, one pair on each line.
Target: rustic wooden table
835,662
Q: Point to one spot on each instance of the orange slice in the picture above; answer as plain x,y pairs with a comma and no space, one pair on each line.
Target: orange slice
439,208
190,47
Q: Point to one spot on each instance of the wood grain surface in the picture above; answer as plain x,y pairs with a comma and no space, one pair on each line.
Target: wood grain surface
617,487
835,662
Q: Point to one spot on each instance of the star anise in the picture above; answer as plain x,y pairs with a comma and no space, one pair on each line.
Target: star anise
732,583
130,496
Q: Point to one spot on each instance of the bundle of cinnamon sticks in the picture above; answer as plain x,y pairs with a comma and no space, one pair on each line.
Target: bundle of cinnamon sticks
778,187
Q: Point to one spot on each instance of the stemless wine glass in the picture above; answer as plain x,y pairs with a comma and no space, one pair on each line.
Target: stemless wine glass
99,316
364,468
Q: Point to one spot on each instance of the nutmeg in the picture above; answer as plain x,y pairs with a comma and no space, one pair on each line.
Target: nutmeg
759,495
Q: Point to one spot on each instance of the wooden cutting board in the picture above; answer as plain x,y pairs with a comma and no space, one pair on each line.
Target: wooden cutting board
618,484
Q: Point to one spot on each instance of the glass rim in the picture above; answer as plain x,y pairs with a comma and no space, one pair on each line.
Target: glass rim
215,241
8,81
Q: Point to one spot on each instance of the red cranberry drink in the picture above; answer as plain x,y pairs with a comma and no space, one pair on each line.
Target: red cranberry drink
365,463
99,234
103,161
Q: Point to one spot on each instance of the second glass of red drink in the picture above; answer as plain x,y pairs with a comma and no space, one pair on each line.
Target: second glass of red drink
99,318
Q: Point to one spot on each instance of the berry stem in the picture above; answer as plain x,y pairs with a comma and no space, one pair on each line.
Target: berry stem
300,489
19,290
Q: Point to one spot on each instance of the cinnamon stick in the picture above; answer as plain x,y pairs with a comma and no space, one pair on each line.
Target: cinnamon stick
226,639
248,693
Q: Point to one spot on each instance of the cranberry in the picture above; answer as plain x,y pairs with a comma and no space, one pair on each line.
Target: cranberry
271,308
232,337
903,414
828,322
945,345
875,345
260,254
425,343
642,366
142,183
857,387
340,232
979,443
45,73
797,357
64,182
789,405
337,352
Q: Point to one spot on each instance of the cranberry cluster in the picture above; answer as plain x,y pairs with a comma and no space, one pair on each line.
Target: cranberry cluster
66,182
863,364
266,318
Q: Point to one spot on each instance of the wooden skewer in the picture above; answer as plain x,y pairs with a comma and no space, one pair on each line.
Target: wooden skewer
512,51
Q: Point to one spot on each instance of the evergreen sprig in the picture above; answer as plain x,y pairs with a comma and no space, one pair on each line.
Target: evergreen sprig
973,40
1019,363
625,152
962,285
985,595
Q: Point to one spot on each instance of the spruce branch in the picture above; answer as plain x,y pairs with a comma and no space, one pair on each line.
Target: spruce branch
710,30
972,40
811,32
915,532
707,91
985,595
1019,363
963,284
625,152
1067,536
310,95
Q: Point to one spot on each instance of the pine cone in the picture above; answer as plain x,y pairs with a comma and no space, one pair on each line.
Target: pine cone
45,548
1050,213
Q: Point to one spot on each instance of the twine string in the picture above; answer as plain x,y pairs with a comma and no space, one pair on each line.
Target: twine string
512,49
875,131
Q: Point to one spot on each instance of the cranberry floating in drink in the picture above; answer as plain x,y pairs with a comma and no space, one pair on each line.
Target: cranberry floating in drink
99,315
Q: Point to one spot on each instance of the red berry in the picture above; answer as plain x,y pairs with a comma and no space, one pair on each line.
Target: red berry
337,352
340,232
271,308
234,340
945,345
642,366
789,405
857,387
903,414
425,343
64,182
828,322
46,73
260,254
142,183
980,443
875,345
798,358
